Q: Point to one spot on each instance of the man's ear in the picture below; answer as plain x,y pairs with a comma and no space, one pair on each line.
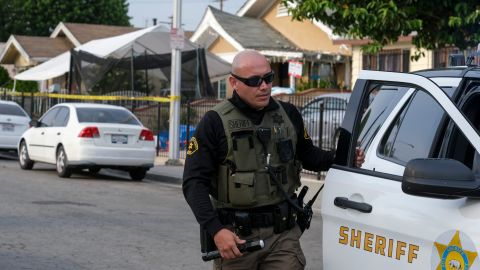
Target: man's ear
232,81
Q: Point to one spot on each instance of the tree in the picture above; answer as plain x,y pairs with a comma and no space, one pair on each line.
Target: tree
4,77
40,17
21,86
433,23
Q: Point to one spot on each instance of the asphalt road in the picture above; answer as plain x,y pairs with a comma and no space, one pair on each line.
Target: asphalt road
101,222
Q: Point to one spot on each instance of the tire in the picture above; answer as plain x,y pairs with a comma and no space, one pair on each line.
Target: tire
93,170
24,159
63,169
138,174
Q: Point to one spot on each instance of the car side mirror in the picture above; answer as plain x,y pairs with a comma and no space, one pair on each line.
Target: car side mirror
35,123
443,178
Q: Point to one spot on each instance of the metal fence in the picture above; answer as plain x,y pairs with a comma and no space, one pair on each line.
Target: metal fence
321,120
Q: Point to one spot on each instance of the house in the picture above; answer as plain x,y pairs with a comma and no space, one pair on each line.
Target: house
266,26
396,57
23,52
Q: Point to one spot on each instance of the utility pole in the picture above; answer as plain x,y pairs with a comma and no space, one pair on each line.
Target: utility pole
221,3
175,84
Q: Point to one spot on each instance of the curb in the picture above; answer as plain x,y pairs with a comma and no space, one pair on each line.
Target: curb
164,178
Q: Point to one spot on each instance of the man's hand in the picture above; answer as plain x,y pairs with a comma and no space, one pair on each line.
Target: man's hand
226,242
359,157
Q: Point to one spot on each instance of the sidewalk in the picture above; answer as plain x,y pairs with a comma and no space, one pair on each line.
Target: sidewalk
174,175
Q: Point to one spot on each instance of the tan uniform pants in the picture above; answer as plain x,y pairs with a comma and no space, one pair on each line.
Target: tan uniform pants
281,252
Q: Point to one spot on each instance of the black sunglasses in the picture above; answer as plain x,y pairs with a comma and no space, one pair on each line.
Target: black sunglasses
256,81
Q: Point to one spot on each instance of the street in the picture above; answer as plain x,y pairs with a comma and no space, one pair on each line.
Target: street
102,222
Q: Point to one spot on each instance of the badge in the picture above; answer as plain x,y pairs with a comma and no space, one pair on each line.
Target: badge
277,118
454,251
192,146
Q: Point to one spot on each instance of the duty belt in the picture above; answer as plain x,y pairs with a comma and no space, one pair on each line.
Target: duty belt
256,219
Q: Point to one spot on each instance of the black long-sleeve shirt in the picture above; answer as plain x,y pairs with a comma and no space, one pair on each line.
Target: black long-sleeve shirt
202,165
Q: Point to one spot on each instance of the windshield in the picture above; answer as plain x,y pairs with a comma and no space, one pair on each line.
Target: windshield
9,109
106,115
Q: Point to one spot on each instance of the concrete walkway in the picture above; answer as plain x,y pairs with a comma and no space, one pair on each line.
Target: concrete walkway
174,175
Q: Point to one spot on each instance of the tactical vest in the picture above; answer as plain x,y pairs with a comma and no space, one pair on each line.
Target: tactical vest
243,181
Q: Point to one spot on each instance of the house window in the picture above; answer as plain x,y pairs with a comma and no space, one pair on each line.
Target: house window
388,60
222,89
441,56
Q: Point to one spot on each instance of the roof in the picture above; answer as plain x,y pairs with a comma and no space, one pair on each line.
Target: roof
50,47
254,8
90,105
359,42
28,47
251,33
83,33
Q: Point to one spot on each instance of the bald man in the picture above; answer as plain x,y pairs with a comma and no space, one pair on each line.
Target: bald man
242,163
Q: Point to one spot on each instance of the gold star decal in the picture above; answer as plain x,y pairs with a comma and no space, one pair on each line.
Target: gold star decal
192,146
453,256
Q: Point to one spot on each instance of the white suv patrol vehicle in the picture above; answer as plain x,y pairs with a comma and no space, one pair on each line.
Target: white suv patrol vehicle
414,202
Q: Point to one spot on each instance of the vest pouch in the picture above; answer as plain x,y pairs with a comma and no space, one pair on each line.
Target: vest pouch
244,153
241,189
285,150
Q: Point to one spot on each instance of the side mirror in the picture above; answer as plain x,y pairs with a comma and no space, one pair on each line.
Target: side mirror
35,123
443,178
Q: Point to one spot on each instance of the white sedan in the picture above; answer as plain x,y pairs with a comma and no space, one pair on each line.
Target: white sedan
13,122
89,136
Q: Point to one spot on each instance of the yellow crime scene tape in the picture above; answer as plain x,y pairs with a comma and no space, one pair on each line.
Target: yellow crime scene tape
85,97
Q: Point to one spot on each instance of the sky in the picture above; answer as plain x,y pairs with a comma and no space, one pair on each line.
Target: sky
143,11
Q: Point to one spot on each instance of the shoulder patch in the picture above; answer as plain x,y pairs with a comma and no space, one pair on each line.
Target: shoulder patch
192,146
305,134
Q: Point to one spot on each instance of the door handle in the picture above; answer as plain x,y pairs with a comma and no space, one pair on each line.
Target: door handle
58,133
345,203
42,133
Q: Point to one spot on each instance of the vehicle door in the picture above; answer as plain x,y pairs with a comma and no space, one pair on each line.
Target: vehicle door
38,138
55,133
368,221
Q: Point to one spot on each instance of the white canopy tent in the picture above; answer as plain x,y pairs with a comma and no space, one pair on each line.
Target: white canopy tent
155,39
60,64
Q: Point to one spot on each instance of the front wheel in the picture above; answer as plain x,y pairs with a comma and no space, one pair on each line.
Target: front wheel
62,163
138,174
25,162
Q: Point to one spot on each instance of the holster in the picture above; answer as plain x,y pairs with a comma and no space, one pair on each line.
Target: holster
284,218
243,226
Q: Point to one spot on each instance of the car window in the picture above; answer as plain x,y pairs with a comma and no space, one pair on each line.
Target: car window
10,109
381,101
335,104
412,134
329,103
106,115
312,107
49,117
61,119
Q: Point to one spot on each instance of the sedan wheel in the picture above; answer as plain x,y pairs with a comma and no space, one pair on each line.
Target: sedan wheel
62,164
25,162
138,174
